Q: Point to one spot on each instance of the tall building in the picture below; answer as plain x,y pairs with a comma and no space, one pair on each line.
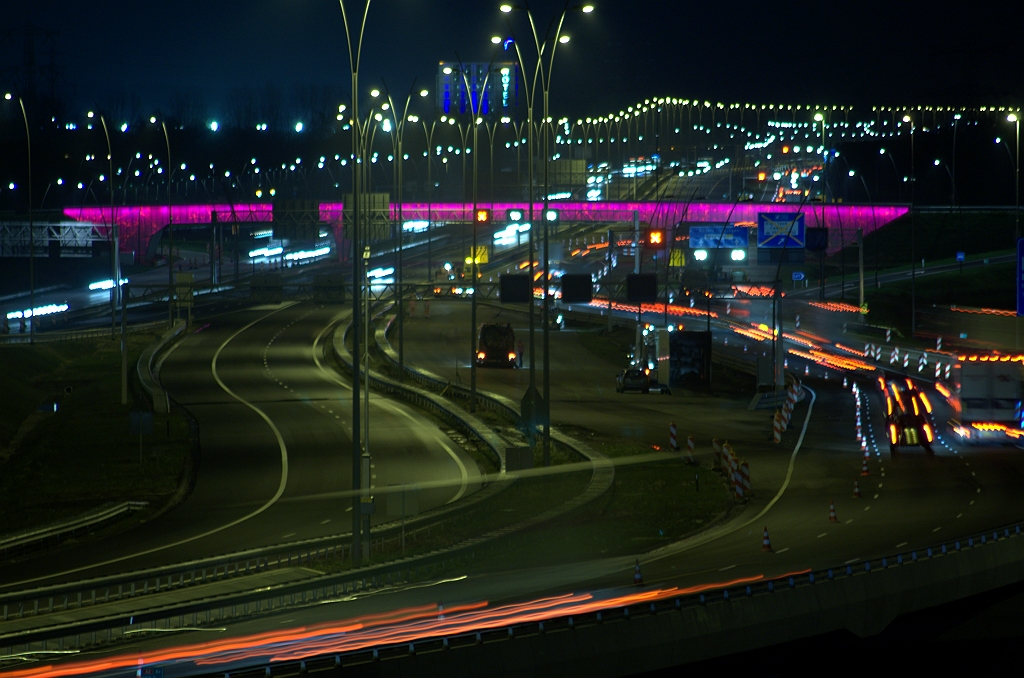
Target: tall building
495,86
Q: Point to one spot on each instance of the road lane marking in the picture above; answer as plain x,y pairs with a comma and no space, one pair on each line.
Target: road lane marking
937,529
783,550
324,522
253,514
851,561
876,496
727,567
435,434
958,515
849,520
901,544
823,534
868,508
698,541
290,534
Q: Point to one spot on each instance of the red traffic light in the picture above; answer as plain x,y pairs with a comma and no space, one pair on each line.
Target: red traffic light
482,216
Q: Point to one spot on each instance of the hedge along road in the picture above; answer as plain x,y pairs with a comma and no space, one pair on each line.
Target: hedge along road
276,443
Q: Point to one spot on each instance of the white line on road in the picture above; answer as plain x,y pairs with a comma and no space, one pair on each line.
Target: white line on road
783,550
280,490
728,567
936,529
823,534
901,544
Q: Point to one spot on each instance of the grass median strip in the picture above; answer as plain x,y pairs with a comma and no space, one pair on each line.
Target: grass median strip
65,442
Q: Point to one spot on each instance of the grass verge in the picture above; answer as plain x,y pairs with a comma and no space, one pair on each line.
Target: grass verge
986,286
83,455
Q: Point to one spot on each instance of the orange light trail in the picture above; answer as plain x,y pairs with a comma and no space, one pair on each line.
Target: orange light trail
835,306
941,388
673,309
850,350
754,290
984,311
399,627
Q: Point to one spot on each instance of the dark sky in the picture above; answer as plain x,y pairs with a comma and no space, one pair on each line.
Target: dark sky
794,52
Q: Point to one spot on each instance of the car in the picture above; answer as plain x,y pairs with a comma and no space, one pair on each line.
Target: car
633,379
908,417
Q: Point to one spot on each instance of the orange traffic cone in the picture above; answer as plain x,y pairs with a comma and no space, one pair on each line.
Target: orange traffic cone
856,490
864,467
766,544
638,578
832,512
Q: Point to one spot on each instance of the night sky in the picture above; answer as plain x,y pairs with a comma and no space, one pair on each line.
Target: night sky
793,52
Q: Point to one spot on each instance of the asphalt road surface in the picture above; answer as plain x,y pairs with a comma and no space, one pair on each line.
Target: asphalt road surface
275,427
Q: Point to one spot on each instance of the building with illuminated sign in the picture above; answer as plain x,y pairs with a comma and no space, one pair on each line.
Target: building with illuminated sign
494,85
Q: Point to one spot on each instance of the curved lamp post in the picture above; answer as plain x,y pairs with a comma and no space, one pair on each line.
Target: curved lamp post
542,71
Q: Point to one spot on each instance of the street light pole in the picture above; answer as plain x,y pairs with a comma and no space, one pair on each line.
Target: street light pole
913,251
545,77
1015,119
31,232
354,53
474,103
116,293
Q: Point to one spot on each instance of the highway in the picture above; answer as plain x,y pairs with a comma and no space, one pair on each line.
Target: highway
276,441
275,465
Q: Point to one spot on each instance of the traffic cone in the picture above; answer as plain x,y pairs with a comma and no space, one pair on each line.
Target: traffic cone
864,467
766,544
638,578
856,489
832,512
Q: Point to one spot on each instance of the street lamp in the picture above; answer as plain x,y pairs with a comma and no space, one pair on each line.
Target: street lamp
543,72
170,224
396,146
1015,119
913,251
31,226
354,54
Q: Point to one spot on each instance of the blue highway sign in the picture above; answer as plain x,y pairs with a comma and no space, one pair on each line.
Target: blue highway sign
782,229
798,276
714,236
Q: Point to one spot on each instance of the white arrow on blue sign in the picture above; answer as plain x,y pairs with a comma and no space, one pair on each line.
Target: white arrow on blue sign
798,276
781,229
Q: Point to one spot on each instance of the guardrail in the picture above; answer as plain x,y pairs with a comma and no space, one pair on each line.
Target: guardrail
54,532
216,610
71,335
148,380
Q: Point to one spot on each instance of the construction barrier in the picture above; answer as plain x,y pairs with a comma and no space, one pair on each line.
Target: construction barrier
689,449
672,437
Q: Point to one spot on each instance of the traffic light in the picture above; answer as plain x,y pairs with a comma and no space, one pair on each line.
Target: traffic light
482,216
514,215
656,238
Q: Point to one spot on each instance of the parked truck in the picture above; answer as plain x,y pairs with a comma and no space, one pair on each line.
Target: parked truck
985,396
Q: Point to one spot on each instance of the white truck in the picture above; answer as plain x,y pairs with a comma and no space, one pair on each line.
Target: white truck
986,399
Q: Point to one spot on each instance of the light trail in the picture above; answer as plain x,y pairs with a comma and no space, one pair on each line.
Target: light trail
391,628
